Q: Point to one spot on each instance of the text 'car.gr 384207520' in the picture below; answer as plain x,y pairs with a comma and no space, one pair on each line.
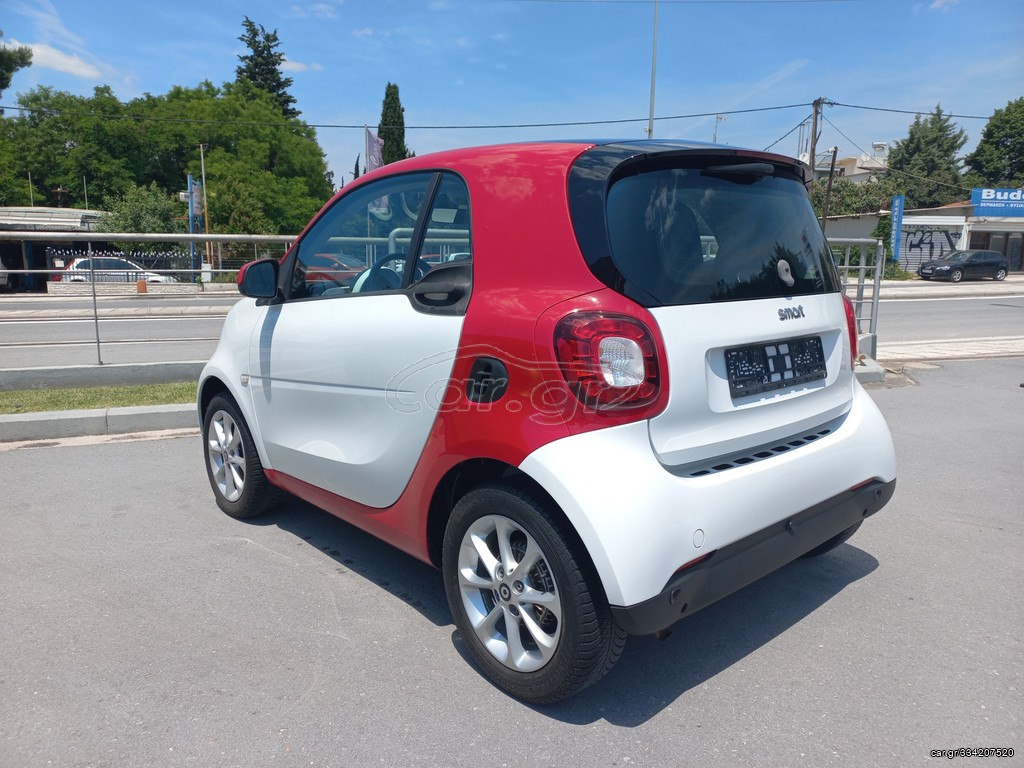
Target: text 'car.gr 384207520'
556,371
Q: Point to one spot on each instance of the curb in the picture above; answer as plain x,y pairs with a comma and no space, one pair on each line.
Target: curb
51,425
100,375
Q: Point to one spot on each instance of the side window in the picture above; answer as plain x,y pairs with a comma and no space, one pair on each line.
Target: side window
448,236
361,244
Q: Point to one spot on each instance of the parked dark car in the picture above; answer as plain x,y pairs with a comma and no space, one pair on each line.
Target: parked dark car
965,265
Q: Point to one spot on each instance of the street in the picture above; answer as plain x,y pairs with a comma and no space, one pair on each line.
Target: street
48,332
142,627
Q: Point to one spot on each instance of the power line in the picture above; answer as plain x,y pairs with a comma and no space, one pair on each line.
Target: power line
787,133
360,126
905,111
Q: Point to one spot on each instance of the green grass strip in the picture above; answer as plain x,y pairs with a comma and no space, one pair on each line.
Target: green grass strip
34,400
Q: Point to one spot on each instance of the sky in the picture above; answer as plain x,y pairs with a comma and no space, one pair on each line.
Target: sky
470,72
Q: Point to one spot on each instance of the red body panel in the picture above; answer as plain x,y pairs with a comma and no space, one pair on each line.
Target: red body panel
526,185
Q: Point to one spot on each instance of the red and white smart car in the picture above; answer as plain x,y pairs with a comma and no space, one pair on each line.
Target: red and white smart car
620,388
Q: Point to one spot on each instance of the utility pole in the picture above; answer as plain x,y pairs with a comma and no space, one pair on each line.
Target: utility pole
654,69
828,190
814,133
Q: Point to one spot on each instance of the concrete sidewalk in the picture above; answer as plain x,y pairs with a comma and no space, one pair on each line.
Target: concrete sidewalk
62,424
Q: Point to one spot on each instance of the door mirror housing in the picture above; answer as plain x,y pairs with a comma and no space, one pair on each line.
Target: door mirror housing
258,279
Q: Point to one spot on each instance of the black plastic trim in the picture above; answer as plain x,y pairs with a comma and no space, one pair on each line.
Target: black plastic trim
749,559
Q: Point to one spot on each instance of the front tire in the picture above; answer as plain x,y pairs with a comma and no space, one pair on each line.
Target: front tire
527,606
956,276
232,463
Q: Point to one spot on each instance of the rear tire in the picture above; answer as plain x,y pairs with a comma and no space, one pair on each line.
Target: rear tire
528,607
1000,274
232,463
835,541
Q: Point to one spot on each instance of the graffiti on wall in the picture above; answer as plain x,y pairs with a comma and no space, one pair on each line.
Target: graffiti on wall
922,244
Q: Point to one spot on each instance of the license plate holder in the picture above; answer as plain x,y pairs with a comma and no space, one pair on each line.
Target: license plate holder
760,368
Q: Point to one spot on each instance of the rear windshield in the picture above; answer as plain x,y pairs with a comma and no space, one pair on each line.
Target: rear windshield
693,235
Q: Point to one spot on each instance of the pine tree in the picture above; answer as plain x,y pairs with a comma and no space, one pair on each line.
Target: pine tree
392,127
262,65
998,160
925,164
11,60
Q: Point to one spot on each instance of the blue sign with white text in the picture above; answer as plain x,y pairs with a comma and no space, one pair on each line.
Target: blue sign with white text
896,234
998,202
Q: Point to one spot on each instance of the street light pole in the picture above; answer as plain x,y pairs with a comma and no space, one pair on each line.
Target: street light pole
206,210
654,69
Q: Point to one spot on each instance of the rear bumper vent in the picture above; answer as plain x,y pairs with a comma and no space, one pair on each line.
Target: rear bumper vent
725,463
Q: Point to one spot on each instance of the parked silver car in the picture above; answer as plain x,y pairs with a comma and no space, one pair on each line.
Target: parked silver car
108,269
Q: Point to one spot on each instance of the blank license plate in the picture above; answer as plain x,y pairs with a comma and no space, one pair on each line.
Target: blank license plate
763,368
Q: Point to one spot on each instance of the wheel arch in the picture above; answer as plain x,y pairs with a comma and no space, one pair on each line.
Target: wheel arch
472,473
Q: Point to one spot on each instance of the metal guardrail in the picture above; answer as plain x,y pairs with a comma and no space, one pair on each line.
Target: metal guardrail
857,259
861,262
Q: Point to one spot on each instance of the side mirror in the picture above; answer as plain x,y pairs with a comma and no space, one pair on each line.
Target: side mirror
258,279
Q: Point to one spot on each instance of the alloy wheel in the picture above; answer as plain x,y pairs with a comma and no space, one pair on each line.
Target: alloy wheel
226,455
509,593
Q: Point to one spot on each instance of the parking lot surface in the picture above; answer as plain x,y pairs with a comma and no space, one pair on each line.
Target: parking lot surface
141,627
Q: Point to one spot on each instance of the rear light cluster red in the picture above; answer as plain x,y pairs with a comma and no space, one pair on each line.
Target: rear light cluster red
610,362
851,327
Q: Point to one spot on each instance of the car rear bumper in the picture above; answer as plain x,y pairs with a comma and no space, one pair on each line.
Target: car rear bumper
641,521
747,560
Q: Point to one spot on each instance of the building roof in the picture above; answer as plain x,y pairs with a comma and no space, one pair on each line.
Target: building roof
41,218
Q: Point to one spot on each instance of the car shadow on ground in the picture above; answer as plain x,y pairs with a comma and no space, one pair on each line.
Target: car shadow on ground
412,581
652,674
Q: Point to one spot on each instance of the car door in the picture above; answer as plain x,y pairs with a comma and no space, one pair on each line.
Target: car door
346,380
974,265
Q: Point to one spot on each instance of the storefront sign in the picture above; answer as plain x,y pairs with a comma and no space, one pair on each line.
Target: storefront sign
998,202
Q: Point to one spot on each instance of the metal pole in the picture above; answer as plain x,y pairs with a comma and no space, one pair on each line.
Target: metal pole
95,309
654,69
191,223
206,210
828,190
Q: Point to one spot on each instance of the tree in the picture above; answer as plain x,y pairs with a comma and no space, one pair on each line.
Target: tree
392,127
925,164
998,160
60,138
142,209
11,60
262,65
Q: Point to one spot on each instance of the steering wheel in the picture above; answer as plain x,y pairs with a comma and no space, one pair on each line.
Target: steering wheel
376,278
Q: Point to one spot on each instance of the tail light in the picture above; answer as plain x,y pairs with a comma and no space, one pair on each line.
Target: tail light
610,362
851,327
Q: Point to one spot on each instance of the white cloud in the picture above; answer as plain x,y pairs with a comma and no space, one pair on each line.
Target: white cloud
941,4
49,25
47,57
320,10
364,32
297,66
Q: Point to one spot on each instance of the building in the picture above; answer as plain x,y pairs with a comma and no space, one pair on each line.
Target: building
32,254
993,219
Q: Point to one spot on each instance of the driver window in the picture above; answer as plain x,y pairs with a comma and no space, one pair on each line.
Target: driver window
360,244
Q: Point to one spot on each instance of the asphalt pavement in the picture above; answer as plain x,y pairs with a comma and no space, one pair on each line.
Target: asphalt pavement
51,425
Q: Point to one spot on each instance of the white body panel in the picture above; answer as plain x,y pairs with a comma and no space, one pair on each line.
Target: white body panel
345,390
701,419
640,522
